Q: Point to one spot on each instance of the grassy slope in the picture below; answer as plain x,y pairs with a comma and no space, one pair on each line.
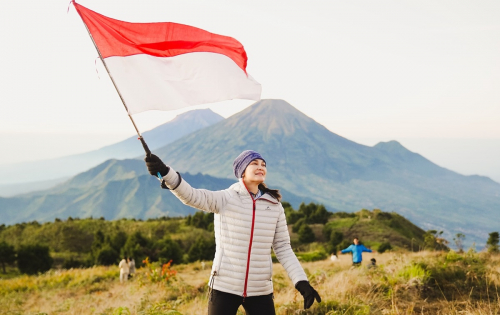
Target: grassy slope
404,283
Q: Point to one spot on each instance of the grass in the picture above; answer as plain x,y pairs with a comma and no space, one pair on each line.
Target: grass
403,283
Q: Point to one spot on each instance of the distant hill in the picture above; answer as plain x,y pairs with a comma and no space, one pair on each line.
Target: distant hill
114,189
375,227
51,170
309,160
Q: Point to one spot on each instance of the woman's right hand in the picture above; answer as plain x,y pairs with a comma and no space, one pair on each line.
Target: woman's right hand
155,165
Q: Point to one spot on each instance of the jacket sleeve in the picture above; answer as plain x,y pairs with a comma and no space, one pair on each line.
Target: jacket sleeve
202,199
347,250
284,252
366,249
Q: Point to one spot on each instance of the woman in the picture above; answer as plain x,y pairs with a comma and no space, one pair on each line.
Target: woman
249,219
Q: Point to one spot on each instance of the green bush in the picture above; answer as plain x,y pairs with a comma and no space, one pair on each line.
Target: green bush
312,256
169,250
202,249
384,247
298,224
306,234
7,255
107,256
32,259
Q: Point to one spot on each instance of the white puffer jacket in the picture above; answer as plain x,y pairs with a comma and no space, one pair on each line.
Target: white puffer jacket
245,231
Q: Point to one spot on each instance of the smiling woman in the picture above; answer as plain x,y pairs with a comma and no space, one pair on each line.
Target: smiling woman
249,220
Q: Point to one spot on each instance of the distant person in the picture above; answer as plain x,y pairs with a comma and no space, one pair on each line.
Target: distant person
131,267
373,264
124,269
249,221
356,249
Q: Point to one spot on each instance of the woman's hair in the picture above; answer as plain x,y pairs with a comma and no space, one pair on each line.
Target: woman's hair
273,192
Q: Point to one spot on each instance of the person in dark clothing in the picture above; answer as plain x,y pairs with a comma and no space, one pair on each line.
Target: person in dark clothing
356,249
373,264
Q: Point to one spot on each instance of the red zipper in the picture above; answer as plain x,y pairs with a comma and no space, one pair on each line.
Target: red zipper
249,245
249,250
251,240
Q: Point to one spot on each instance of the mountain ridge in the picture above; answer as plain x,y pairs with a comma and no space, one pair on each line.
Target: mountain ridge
307,159
64,167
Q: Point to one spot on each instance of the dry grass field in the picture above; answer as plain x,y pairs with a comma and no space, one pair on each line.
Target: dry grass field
403,283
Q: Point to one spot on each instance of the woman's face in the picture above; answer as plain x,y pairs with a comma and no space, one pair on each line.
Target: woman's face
255,172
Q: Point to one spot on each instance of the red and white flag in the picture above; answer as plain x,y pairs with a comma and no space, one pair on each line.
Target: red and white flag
166,66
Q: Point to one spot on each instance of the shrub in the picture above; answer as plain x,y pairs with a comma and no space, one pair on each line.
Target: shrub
312,256
169,250
306,234
298,224
107,256
73,263
7,255
202,249
32,259
384,247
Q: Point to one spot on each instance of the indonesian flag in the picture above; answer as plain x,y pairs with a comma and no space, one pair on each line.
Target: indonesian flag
166,66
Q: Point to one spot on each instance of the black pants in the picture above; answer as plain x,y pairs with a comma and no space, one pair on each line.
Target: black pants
223,303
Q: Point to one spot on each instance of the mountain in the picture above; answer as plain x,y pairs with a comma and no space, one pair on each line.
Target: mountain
114,189
309,160
306,160
53,169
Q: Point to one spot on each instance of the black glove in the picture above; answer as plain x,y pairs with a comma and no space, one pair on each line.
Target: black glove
155,165
308,293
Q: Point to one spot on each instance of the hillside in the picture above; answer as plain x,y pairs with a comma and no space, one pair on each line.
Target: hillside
403,283
306,158
77,239
430,282
65,167
114,189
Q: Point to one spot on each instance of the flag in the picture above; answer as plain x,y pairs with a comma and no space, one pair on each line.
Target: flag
166,66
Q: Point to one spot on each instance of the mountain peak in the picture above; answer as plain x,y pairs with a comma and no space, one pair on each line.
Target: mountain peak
205,116
273,116
391,146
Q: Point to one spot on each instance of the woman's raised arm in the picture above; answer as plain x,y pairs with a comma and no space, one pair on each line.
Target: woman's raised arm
202,199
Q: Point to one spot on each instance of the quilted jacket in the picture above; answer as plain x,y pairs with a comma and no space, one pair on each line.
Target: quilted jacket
245,231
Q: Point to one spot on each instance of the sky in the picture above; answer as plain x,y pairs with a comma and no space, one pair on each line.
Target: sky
425,73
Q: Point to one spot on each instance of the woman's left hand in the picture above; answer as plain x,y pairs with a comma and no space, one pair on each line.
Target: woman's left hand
308,293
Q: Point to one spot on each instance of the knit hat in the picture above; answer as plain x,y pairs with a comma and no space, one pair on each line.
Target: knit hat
242,161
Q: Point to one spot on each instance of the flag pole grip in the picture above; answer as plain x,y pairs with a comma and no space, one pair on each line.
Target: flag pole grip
145,146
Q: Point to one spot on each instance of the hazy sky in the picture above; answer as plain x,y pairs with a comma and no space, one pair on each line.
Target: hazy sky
425,73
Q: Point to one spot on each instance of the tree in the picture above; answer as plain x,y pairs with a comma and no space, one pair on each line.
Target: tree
492,242
32,259
335,240
138,246
7,255
74,239
169,250
296,227
459,239
107,256
118,240
433,240
201,220
384,247
202,249
306,234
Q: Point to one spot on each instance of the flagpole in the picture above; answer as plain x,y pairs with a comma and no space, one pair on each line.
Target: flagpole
144,145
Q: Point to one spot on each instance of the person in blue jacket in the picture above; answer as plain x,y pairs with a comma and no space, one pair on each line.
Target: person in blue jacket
356,249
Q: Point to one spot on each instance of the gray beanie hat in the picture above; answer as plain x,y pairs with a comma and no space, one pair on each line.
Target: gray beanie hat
242,161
